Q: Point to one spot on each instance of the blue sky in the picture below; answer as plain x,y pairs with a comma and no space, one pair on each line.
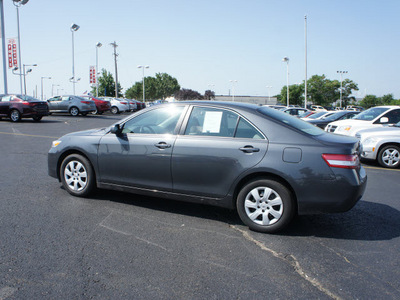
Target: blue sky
206,43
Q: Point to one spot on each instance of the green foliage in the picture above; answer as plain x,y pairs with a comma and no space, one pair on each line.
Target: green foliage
322,91
107,85
188,94
209,95
370,101
159,87
296,96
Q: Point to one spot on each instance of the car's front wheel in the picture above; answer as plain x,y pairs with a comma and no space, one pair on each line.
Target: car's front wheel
15,115
77,175
389,156
265,205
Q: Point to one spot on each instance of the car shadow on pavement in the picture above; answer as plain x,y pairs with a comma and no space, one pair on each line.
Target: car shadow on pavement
366,221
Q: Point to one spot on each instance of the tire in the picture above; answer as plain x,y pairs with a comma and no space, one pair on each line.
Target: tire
36,118
265,213
389,156
114,110
94,112
74,111
77,175
15,115
84,114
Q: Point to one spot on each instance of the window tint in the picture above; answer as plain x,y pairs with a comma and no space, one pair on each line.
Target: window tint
246,130
211,122
393,116
6,99
158,121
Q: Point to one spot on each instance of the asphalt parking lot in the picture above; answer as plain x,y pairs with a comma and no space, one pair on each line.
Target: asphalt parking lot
116,245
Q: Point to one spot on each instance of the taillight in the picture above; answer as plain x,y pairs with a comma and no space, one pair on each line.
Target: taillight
86,102
28,103
124,102
342,161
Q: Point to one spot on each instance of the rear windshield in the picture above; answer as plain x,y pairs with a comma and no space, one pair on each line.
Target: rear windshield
370,114
27,98
290,121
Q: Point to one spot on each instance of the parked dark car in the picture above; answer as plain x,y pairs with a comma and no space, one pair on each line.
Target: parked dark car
17,107
102,106
266,163
340,115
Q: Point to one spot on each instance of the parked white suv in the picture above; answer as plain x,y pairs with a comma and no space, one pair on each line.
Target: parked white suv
370,118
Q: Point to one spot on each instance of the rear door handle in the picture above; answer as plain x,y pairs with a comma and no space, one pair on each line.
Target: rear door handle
162,145
249,149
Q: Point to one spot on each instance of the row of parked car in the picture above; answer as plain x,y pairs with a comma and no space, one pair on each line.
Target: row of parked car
377,128
17,106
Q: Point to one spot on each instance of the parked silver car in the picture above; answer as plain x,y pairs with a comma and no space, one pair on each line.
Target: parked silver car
117,105
71,104
381,144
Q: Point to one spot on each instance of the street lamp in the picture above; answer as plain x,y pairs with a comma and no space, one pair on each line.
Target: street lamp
233,89
341,84
52,88
74,27
286,59
3,46
34,65
41,81
98,45
269,93
143,67
17,4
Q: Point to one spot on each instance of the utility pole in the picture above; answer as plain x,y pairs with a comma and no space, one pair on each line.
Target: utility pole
116,70
3,47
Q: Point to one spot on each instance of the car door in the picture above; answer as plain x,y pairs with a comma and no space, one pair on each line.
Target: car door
63,105
141,155
216,146
54,103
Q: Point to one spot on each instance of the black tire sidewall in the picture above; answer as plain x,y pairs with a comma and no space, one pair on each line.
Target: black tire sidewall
380,160
90,175
287,199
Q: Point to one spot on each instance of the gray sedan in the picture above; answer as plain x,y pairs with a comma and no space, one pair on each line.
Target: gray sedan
267,164
73,105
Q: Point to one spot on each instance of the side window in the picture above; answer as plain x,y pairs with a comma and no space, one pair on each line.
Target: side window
65,98
208,121
158,121
246,130
393,116
6,99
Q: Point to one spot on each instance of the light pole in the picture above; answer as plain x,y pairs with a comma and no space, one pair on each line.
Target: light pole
286,59
41,81
58,91
74,27
98,45
143,67
34,65
52,89
233,89
341,85
269,93
114,45
3,46
17,4
305,57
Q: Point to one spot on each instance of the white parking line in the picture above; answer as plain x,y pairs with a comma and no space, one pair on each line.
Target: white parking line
32,135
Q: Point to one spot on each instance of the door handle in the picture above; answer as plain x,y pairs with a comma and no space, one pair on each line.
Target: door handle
249,149
162,145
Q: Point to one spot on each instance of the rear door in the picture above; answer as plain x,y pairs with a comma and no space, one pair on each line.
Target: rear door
215,148
5,105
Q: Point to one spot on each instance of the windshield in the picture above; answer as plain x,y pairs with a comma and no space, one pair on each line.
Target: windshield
371,113
291,121
317,115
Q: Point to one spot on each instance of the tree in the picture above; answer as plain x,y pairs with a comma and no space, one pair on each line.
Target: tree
370,101
322,91
188,94
135,91
107,85
209,95
166,85
295,94
348,86
388,99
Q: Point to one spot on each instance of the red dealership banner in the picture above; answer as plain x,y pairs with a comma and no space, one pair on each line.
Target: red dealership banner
92,74
12,53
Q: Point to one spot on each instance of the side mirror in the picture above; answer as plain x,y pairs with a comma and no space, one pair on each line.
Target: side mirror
384,120
116,129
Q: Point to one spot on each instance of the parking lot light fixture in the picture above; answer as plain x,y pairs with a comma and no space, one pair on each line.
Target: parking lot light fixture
98,45
286,60
143,67
25,73
41,81
341,85
233,89
74,27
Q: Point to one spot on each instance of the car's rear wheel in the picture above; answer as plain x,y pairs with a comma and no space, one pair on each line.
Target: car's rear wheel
114,110
265,205
94,112
15,115
37,118
74,111
77,175
389,156
84,114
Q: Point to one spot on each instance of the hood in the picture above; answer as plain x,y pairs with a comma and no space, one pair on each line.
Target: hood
378,132
96,131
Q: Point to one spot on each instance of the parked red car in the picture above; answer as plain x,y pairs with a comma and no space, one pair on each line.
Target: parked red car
17,107
101,105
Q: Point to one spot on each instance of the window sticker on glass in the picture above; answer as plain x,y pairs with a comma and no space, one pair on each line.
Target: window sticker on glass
212,121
